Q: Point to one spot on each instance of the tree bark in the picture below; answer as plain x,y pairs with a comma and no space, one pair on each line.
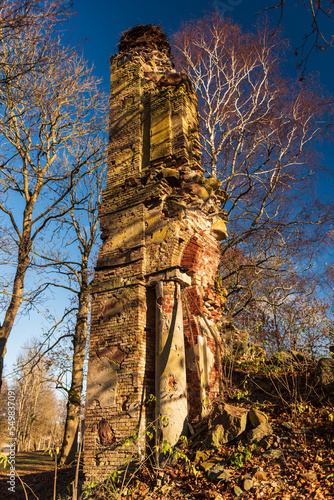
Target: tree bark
16,300
74,396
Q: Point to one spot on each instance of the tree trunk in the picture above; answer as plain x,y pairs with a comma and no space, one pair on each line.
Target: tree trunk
74,396
16,301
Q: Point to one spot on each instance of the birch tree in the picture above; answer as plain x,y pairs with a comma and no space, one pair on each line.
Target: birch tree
258,130
319,34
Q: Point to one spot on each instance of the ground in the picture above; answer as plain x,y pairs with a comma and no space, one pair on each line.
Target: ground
37,471
295,462
305,469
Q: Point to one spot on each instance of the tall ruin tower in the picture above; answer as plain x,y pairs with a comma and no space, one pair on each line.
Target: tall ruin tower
154,309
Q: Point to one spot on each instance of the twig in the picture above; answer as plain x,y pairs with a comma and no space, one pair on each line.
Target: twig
75,486
55,481
23,486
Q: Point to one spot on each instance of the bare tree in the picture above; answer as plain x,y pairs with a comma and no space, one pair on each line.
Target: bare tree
257,131
38,411
85,223
50,121
38,18
319,36
78,232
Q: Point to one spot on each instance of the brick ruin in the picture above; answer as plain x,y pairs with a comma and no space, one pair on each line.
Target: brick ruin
154,308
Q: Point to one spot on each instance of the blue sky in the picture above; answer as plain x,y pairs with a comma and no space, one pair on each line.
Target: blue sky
101,22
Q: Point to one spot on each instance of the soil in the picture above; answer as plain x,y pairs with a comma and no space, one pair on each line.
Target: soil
295,462
37,472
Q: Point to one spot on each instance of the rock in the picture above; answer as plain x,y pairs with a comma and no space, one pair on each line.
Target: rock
225,476
273,454
265,444
260,475
303,431
147,68
226,423
106,434
248,484
212,182
174,79
260,432
219,230
171,175
197,190
237,491
257,417
325,373
216,471
173,208
289,425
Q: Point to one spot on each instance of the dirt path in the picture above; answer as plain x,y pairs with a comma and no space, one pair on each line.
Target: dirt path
37,471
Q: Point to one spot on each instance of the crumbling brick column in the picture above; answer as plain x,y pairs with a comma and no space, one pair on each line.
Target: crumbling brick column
154,309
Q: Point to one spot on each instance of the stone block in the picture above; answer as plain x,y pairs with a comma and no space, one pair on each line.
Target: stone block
261,431
257,417
226,424
325,373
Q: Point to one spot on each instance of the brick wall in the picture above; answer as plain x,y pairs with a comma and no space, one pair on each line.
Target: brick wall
158,223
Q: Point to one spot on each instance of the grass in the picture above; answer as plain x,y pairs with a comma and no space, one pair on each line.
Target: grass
31,462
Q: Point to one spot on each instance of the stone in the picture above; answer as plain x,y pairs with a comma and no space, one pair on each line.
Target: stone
219,230
106,434
216,471
171,175
174,208
265,443
273,454
248,484
197,190
310,475
289,425
260,475
237,491
260,432
208,464
226,423
211,182
257,417
173,79
325,373
156,217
